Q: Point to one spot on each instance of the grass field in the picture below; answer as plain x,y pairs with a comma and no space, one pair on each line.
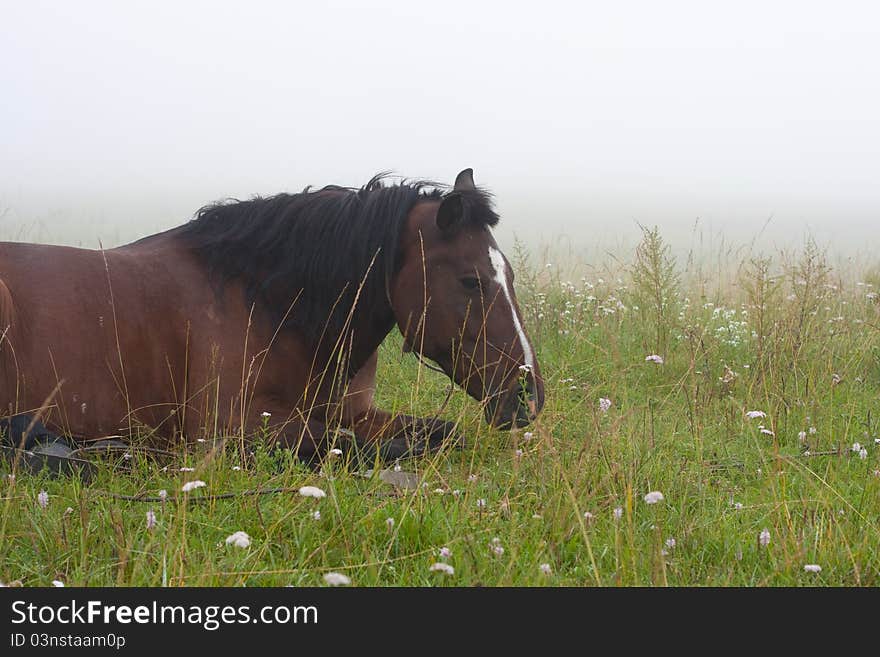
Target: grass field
746,501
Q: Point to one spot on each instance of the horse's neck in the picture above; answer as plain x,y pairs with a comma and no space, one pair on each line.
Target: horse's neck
365,338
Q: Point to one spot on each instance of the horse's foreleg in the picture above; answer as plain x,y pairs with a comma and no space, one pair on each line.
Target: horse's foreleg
305,438
399,436
394,436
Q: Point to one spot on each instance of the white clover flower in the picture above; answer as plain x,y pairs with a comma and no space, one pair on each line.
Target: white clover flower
151,520
442,568
812,568
312,491
654,358
192,485
863,453
396,467
518,453
802,436
670,543
239,539
336,579
767,431
604,404
752,415
335,452
545,569
481,503
57,583
316,515
812,430
653,497
236,468
445,553
43,499
588,517
618,513
163,494
738,506
186,469
527,436
856,447
764,538
266,414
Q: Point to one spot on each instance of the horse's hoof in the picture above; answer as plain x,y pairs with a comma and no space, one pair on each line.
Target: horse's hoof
424,437
58,458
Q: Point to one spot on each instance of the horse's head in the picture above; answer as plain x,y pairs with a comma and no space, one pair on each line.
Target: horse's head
454,302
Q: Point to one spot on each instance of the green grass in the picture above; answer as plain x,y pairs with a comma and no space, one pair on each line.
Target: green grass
770,335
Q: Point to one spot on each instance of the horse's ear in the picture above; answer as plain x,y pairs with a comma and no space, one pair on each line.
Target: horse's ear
450,212
465,181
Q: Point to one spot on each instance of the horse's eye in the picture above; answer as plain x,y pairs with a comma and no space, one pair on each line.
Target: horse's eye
470,283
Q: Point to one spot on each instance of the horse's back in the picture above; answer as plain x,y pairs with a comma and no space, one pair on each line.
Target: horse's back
72,315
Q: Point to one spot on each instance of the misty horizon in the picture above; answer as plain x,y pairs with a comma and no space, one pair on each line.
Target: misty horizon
753,122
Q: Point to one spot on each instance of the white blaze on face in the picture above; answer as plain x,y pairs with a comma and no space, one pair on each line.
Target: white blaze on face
499,266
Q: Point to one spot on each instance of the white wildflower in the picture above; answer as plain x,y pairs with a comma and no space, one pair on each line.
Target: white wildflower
654,358
163,494
239,539
336,579
545,569
442,568
43,499
618,513
316,515
445,553
604,404
57,583
755,414
863,453
670,543
653,497
151,520
312,491
812,568
764,538
192,485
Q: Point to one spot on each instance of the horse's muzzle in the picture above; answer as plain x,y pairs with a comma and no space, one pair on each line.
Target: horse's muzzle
516,406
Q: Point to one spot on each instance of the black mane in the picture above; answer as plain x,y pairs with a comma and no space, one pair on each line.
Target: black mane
317,245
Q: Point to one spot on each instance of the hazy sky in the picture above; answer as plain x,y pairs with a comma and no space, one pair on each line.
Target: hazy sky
121,118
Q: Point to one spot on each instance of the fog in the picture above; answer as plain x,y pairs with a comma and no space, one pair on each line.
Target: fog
751,120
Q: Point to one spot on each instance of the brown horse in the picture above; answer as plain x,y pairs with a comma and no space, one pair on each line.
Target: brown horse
267,311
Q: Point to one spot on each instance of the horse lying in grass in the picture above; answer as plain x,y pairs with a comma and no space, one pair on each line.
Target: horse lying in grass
269,306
